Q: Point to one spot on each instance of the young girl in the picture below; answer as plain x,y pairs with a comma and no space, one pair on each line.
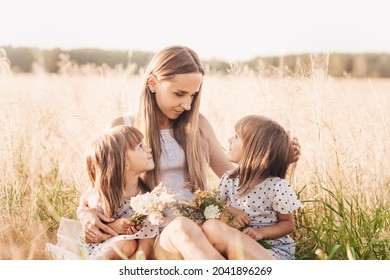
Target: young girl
260,198
115,163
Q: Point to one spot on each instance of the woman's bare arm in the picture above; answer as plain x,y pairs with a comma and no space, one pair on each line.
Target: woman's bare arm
92,223
218,159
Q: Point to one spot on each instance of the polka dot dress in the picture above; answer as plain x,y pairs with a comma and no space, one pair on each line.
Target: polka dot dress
148,231
263,203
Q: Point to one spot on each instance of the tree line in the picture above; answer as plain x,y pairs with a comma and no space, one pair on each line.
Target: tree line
22,60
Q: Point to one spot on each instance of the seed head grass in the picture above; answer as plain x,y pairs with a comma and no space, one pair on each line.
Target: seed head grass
342,176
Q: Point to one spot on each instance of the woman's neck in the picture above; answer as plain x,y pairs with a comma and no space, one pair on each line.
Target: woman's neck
164,122
132,187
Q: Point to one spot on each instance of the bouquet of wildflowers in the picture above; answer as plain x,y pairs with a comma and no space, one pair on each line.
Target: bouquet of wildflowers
151,205
206,205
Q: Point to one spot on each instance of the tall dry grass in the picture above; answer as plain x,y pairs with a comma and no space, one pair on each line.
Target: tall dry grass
343,176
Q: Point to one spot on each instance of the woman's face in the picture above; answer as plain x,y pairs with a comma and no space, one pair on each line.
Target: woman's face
140,159
174,96
235,149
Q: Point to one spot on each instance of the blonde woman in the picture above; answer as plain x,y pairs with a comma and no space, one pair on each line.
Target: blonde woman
184,145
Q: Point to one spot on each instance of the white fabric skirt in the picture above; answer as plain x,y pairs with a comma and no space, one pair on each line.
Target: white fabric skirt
71,245
68,246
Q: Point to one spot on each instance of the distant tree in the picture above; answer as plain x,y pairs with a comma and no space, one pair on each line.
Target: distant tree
216,66
50,58
97,56
336,65
21,58
339,64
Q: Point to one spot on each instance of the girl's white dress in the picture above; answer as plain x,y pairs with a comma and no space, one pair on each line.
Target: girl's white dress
262,204
71,245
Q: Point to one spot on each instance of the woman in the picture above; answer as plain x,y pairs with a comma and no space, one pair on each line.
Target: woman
184,145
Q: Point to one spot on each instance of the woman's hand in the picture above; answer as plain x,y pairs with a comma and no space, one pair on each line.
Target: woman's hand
241,217
296,149
125,226
95,231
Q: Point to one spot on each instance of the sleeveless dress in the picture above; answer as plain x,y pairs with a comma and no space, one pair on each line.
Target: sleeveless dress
172,162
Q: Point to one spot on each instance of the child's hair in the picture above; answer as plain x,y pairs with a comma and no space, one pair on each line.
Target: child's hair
165,65
106,165
266,151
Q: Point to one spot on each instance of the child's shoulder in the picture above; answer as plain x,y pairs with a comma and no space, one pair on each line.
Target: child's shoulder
278,182
283,195
228,175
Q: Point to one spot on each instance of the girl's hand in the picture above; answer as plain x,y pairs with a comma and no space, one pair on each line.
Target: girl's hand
95,231
241,217
255,233
125,226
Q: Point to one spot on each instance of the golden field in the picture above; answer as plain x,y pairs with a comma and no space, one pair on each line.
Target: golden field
342,177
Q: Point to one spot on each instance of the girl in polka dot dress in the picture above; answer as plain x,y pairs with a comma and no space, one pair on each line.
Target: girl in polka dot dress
115,164
259,197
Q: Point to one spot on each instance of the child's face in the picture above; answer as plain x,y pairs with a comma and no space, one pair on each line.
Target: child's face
235,149
140,159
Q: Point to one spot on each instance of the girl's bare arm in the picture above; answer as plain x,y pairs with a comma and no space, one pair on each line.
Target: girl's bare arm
283,227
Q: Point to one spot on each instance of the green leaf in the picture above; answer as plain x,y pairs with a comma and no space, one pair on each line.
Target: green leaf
261,242
265,244
333,251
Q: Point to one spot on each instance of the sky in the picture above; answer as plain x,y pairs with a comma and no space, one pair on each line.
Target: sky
231,30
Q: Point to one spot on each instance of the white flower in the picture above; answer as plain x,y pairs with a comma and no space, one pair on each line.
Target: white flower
156,218
164,200
211,212
141,204
137,204
153,204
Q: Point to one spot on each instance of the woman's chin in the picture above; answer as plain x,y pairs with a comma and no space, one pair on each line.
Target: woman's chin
174,117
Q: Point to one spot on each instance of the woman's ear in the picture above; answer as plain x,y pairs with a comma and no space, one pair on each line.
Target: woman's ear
152,83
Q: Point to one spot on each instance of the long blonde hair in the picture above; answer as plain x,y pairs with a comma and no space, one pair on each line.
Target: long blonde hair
106,165
266,151
164,65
